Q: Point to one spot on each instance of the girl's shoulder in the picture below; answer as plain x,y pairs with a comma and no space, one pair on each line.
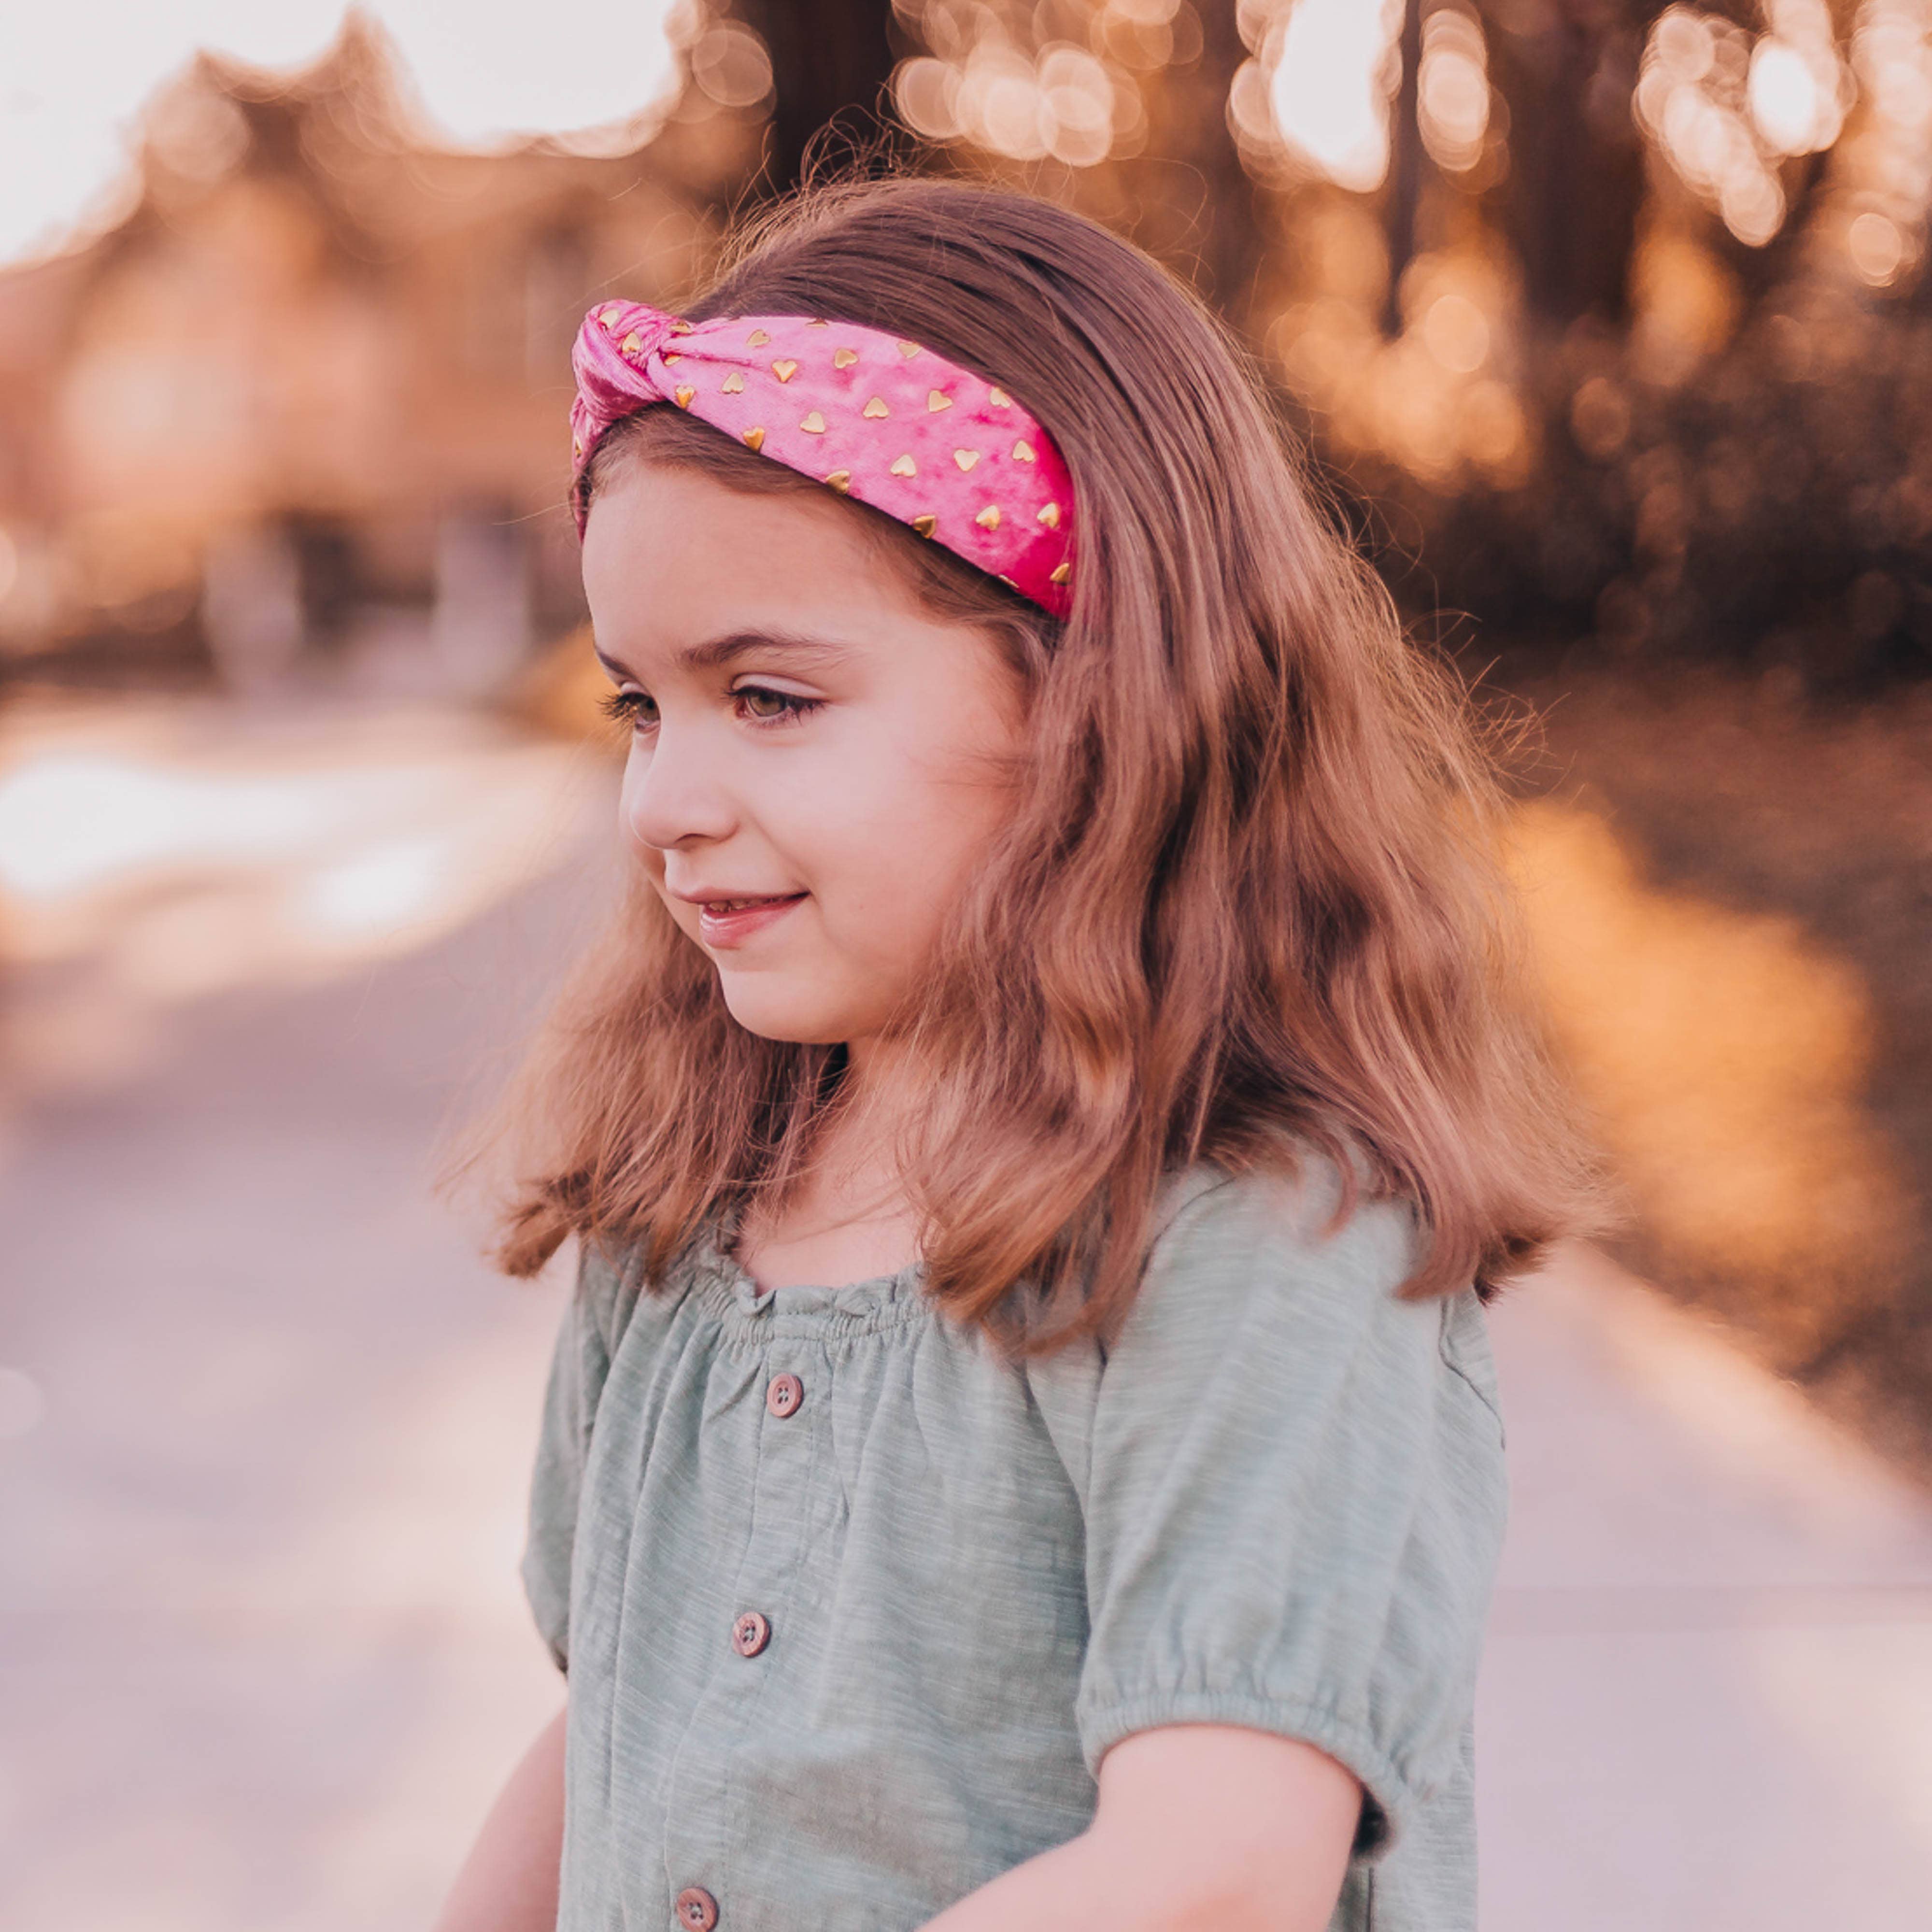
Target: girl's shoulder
610,1284
1261,1265
1282,1222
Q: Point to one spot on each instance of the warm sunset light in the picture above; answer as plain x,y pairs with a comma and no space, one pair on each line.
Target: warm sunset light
1189,745
1453,88
1330,87
76,80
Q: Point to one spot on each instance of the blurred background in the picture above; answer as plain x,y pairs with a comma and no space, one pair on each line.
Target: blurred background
1610,326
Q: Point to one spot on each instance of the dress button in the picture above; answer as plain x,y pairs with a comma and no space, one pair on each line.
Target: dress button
783,1394
750,1634
697,1908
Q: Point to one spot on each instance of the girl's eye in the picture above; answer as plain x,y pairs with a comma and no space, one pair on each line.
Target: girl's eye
762,705
637,709
767,706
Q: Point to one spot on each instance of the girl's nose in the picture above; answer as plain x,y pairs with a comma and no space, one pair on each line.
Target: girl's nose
673,794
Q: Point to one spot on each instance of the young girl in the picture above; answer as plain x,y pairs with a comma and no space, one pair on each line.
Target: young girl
1023,1450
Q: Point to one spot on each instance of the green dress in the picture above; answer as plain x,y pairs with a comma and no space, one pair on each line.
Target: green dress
850,1604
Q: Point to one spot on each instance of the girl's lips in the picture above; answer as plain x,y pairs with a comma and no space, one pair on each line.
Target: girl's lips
718,927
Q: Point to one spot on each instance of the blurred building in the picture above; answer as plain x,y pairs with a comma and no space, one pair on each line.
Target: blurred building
305,399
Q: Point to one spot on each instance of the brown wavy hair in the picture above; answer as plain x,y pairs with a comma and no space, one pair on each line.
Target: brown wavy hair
1250,902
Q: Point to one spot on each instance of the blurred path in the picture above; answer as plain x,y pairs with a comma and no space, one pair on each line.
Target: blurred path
267,1427
1707,1699
263,1657
153,853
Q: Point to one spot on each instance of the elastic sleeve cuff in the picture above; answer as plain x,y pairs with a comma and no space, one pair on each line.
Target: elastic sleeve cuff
1389,1799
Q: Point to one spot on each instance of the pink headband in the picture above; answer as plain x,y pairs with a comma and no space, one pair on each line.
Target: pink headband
885,421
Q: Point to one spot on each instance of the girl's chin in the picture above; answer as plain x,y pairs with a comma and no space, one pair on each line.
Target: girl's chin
762,1008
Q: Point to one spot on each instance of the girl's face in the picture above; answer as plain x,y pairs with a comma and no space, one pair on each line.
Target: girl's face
817,762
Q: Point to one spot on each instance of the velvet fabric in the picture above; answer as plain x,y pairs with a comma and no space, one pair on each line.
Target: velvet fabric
885,421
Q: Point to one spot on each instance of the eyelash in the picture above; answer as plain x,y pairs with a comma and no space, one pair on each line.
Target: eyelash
626,707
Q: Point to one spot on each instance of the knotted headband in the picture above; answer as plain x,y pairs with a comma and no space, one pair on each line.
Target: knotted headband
889,422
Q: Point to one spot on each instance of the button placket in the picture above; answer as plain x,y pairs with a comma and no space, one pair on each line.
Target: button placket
785,1460
784,1396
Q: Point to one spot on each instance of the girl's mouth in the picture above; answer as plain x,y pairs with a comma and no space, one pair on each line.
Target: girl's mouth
731,922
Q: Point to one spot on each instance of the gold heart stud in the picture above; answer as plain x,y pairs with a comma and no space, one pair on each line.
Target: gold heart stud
785,369
813,424
1050,516
876,408
733,385
988,519
632,344
999,399
841,480
844,359
1023,451
965,458
754,439
908,349
905,466
937,400
926,524
682,394
1060,573
757,339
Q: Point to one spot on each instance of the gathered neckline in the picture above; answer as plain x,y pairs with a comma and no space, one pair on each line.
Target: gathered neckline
734,1289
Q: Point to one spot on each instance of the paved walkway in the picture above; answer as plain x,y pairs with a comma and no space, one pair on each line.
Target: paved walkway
267,1424
1707,1703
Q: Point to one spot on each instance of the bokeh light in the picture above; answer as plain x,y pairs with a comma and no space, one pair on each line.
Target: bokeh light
1453,88
1009,81
1886,159
76,80
1726,107
1607,326
1330,75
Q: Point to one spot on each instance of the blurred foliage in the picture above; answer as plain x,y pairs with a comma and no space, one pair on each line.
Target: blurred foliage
1608,317
1776,510
1731,903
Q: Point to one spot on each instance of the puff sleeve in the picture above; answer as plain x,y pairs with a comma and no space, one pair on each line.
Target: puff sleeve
1295,1494
586,1339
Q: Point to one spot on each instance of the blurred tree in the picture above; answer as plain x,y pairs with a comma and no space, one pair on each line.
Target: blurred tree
827,56
1229,264
1567,72
1405,157
1564,70
1552,277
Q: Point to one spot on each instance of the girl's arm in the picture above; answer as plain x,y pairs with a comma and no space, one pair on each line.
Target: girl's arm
1198,1825
508,1882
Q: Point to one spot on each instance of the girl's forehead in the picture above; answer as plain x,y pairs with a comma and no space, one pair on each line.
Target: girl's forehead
659,516
683,553
676,567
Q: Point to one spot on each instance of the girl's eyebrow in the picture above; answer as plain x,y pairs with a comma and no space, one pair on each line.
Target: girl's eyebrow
717,653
